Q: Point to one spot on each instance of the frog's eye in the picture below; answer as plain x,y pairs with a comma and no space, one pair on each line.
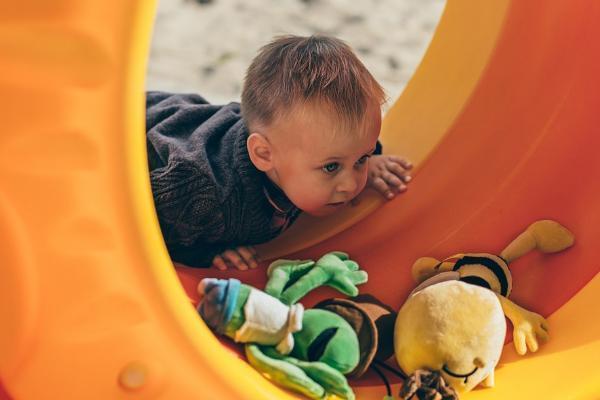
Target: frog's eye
318,346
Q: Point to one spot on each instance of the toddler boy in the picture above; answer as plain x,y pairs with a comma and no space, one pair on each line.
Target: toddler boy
304,139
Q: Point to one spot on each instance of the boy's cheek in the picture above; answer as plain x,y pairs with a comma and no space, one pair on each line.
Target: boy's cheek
363,186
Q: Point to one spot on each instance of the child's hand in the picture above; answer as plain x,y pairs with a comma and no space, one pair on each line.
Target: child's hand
389,174
241,258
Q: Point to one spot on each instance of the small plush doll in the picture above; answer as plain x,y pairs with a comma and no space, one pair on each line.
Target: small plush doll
308,351
452,325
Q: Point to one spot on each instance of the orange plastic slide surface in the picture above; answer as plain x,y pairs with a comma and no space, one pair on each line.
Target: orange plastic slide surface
501,119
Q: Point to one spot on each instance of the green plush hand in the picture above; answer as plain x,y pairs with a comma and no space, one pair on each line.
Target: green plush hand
281,272
332,380
283,373
313,379
343,274
334,269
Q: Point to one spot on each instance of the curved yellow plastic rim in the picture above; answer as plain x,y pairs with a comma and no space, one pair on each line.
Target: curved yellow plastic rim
93,306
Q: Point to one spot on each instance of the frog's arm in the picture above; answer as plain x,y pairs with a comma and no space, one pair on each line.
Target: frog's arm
283,373
300,375
334,269
282,272
528,326
331,379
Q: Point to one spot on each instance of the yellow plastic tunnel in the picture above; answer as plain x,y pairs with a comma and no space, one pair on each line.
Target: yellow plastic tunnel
502,119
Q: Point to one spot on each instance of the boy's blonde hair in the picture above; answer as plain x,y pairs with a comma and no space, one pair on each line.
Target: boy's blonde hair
296,70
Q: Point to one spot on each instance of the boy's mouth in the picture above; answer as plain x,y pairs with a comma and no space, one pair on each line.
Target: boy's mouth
339,203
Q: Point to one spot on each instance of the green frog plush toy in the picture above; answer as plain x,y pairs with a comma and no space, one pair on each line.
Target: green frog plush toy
309,351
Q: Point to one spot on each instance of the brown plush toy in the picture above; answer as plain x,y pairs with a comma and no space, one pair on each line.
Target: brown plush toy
453,321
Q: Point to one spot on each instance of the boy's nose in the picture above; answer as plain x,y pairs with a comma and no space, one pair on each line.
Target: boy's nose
348,185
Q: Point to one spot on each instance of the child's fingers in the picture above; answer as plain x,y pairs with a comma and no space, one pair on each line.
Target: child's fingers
393,180
399,171
237,260
400,189
228,261
248,256
380,185
253,251
402,161
219,263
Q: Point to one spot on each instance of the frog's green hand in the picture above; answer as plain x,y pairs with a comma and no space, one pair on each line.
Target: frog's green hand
344,274
332,380
334,269
283,373
347,282
280,272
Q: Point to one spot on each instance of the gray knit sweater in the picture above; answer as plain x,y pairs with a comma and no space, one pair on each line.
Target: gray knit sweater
209,197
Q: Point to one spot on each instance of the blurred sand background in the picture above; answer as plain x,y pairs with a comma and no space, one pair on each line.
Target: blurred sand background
205,46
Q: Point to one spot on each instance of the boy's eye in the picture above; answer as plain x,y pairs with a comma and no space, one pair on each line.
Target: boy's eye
363,159
331,167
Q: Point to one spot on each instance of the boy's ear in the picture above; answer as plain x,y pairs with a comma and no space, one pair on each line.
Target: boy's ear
260,151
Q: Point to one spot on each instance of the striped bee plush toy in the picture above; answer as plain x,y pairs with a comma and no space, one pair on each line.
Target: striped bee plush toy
453,324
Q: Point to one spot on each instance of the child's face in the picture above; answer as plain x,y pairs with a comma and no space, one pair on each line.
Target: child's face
319,167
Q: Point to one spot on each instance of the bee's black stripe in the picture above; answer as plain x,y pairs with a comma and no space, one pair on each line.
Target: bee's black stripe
475,280
491,265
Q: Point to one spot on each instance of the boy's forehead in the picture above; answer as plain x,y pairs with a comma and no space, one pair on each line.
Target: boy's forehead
323,133
339,144
346,146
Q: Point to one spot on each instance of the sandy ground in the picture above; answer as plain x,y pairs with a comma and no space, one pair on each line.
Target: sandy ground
205,46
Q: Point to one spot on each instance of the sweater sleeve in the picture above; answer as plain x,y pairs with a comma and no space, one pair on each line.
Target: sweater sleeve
162,105
189,211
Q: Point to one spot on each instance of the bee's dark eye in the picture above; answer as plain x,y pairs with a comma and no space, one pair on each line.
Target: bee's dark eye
331,167
318,346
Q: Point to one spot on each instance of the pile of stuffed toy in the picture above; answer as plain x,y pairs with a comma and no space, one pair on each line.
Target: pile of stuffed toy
447,337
